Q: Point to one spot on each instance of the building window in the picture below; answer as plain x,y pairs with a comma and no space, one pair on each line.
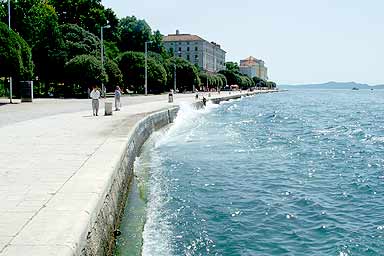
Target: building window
179,55
196,57
187,49
179,49
196,48
188,43
188,57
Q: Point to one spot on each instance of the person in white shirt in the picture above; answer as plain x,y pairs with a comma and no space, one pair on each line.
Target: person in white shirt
117,98
95,96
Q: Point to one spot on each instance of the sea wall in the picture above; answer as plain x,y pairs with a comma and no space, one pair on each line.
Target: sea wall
100,238
105,217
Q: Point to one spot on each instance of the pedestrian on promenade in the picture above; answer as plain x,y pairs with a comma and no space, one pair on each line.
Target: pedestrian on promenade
117,98
204,101
95,96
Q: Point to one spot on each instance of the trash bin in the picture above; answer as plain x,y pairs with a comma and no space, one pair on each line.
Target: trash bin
26,91
170,97
108,108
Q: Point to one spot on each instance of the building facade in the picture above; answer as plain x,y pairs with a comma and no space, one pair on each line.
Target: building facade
253,67
207,55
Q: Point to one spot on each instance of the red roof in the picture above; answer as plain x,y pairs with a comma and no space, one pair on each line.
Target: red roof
182,37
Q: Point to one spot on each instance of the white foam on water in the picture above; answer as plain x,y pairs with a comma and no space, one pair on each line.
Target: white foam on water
187,118
157,234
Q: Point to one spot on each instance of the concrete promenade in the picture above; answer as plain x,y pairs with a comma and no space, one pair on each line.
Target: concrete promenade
55,162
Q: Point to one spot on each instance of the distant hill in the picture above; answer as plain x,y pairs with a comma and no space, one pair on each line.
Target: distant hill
332,85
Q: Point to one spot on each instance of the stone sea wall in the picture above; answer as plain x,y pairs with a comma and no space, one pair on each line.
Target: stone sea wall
100,237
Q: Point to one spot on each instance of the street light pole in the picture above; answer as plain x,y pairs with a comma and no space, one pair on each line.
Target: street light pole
174,76
102,56
146,67
9,27
102,59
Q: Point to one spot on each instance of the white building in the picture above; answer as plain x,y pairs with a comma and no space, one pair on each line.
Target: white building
253,67
207,55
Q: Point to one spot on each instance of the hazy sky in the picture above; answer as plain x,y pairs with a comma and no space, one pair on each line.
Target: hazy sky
301,41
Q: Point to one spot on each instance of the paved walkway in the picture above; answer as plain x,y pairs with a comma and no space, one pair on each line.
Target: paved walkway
53,168
11,113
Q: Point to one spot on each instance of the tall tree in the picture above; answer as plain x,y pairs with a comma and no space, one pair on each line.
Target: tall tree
187,74
133,34
115,77
157,43
37,22
112,33
88,14
232,66
132,65
84,71
15,55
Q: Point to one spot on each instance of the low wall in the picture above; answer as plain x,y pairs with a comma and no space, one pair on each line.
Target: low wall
100,239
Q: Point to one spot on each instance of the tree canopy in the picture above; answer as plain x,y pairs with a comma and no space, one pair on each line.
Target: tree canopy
133,34
53,41
85,71
15,55
132,65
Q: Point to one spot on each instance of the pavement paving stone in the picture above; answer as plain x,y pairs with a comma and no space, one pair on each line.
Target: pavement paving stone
38,250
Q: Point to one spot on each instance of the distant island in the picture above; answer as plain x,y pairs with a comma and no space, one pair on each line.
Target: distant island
333,85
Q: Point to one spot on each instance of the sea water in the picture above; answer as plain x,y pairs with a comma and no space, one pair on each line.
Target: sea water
290,173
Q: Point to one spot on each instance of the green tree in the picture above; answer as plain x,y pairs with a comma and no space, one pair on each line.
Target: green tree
157,76
232,66
82,72
78,41
232,77
187,74
271,85
115,77
15,55
36,21
88,14
132,65
223,80
112,33
133,34
111,50
259,82
157,43
73,41
215,80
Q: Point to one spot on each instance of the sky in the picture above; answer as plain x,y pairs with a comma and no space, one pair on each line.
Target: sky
301,41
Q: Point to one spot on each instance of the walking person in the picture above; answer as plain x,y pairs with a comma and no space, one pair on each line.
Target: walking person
95,96
117,98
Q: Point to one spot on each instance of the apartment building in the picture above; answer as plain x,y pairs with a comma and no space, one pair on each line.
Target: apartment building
207,55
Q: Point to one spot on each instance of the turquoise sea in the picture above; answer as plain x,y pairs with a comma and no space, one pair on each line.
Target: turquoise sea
290,173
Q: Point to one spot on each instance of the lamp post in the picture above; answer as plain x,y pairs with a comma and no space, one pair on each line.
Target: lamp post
174,77
146,67
174,74
9,27
102,56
